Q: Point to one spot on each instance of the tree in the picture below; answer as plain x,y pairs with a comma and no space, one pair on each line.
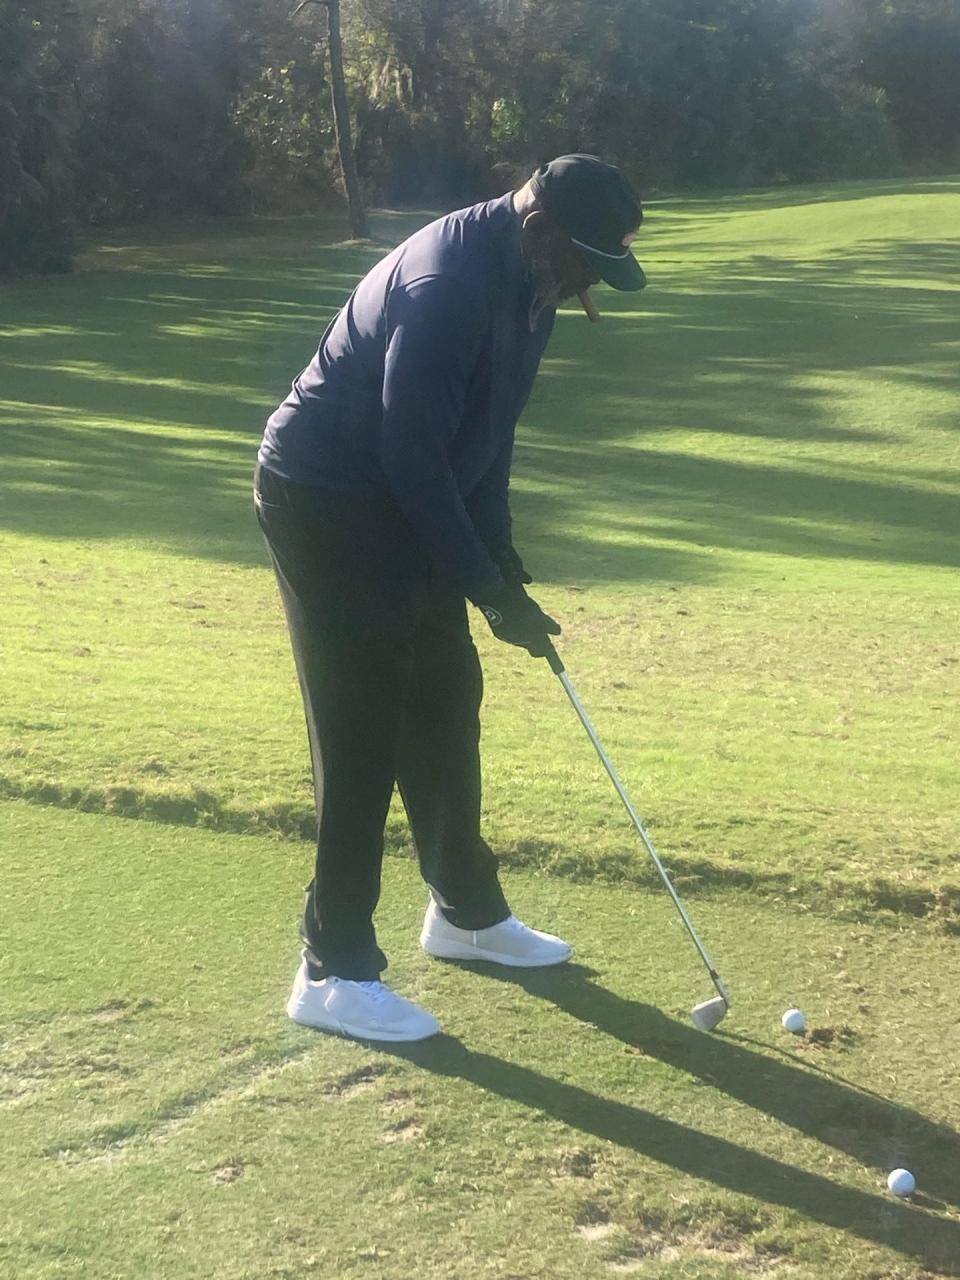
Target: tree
341,117
914,56
132,108
426,76
37,117
159,135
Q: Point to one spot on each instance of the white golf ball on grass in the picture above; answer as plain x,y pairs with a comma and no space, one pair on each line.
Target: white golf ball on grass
794,1021
902,1182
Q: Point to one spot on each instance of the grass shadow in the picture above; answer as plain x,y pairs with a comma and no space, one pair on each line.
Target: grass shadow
133,400
873,1130
866,1127
933,1241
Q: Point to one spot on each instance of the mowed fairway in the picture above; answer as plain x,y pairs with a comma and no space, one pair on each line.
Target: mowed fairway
739,496
162,1117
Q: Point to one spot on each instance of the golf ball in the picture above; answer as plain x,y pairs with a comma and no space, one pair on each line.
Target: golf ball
902,1182
793,1020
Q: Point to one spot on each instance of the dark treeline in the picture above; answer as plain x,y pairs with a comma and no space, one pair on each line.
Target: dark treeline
117,110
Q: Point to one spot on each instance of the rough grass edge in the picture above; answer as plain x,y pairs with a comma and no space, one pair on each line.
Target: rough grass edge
878,900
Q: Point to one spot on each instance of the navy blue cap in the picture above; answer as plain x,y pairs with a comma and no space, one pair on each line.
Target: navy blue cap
599,210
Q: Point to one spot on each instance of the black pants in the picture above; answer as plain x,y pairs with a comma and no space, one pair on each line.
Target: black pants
391,686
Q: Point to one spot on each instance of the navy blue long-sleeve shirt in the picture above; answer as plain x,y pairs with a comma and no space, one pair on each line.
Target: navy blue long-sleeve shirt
417,385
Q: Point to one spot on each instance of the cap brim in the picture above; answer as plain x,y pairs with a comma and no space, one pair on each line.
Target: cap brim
620,273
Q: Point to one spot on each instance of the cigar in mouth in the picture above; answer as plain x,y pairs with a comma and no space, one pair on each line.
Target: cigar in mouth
587,303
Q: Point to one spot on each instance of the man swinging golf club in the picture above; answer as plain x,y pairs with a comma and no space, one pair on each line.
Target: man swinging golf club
381,489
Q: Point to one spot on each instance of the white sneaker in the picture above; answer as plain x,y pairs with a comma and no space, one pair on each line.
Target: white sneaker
510,942
363,1010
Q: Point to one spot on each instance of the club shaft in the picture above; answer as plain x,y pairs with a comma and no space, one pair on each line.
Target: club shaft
635,819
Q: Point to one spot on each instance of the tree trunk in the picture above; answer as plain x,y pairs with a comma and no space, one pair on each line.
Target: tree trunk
341,123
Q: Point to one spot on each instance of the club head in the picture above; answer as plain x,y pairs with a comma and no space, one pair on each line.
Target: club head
708,1015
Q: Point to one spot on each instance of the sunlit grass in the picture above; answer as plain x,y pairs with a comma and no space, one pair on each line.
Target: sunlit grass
739,498
568,1121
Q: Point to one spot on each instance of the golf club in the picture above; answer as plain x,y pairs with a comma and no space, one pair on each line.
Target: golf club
707,1015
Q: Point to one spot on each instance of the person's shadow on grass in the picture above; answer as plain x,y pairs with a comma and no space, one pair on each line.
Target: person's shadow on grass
858,1122
874,1130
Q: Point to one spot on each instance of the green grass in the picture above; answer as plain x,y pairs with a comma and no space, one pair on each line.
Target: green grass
738,494
162,1117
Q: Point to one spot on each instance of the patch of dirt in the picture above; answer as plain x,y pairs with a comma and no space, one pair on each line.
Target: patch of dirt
843,1037
576,1162
398,1100
748,1261
591,1213
595,1230
403,1131
237,1050
229,1171
357,1080
154,766
721,1240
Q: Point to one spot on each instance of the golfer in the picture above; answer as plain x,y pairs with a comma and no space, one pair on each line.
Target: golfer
381,489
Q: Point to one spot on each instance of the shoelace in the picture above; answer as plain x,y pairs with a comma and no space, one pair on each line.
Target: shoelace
378,990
